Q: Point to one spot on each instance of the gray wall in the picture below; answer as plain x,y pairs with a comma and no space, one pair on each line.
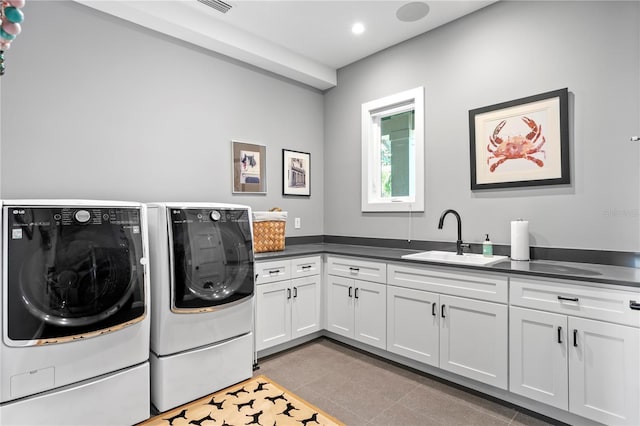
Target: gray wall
95,107
506,51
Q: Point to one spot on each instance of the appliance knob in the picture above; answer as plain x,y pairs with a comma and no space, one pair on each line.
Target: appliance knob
82,216
215,215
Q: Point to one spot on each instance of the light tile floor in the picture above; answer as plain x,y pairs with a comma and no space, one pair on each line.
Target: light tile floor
361,389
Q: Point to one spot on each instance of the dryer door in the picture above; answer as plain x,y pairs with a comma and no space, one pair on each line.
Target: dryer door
71,272
212,257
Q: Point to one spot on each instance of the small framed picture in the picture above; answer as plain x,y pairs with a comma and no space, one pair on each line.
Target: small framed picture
249,167
523,142
296,173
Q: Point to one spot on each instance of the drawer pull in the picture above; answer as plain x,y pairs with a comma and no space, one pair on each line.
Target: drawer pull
575,337
568,299
634,305
559,334
352,269
306,267
274,271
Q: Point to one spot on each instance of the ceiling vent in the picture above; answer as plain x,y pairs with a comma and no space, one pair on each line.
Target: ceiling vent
218,5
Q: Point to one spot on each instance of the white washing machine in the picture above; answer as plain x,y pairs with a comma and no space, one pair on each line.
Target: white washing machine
75,313
202,283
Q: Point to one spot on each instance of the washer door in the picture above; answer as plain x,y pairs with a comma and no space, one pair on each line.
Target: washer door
72,271
212,257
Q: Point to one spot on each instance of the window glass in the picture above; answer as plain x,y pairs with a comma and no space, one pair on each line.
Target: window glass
397,151
392,153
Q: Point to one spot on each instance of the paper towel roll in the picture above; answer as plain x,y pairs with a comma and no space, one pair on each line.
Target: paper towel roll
519,240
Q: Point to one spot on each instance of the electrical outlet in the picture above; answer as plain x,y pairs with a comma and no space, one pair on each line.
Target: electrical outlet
296,223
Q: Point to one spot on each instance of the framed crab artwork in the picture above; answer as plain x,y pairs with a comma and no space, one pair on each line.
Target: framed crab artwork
524,142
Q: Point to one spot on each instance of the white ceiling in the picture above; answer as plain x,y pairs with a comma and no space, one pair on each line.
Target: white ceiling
305,40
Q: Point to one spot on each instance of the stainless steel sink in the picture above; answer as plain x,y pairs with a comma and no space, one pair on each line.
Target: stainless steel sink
451,257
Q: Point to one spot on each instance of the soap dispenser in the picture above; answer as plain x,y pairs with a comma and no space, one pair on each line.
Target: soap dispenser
487,247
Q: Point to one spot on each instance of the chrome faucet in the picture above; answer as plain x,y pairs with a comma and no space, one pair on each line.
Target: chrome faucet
459,244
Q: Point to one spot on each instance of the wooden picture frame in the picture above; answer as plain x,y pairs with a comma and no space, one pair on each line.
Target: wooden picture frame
523,142
296,173
248,162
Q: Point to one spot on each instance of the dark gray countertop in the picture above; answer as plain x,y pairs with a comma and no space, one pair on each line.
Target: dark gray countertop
589,272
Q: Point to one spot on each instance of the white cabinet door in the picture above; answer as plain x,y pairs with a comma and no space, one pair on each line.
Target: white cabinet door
413,326
340,305
538,366
473,339
288,300
604,371
357,309
370,313
273,314
305,309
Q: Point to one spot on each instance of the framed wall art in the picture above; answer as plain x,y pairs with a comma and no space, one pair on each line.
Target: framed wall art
524,142
249,167
296,173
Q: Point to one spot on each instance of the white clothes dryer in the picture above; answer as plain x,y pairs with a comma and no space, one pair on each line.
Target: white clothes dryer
75,313
202,273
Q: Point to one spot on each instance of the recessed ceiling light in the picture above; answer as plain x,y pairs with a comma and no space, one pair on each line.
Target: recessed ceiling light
413,11
358,28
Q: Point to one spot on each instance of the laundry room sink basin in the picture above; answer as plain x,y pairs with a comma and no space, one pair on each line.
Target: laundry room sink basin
451,257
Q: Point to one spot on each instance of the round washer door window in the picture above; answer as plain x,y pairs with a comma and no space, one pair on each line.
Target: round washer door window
72,271
87,281
212,257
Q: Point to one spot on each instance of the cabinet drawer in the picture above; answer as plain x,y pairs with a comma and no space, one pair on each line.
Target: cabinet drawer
572,298
305,266
357,269
482,286
274,270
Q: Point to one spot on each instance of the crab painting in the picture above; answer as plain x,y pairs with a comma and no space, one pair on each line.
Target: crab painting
517,146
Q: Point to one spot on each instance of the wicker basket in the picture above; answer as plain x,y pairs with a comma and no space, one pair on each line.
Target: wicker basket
268,230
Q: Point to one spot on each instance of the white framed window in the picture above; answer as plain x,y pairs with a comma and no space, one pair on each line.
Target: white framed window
393,153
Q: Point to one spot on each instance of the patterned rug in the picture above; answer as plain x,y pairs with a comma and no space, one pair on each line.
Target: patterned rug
257,401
